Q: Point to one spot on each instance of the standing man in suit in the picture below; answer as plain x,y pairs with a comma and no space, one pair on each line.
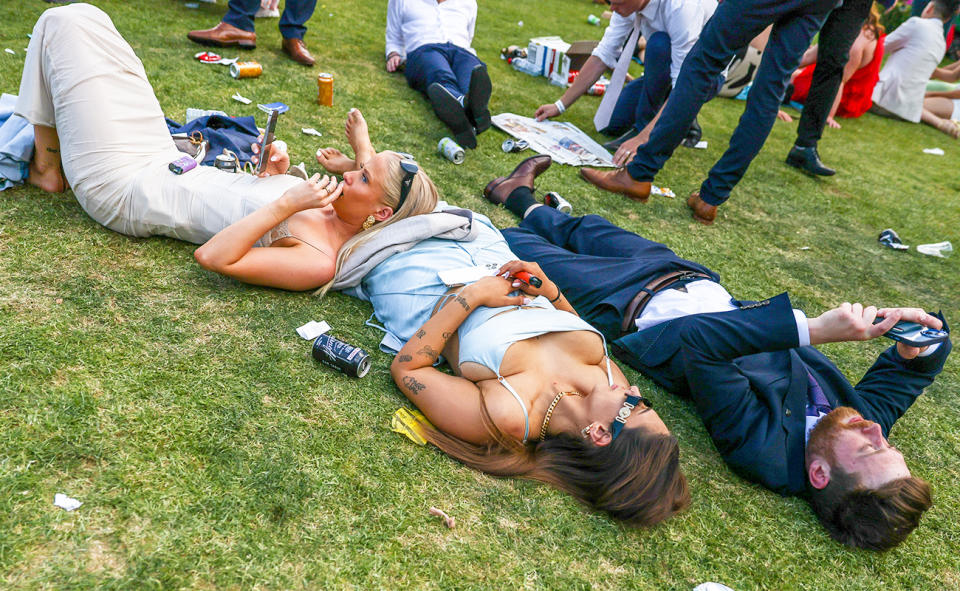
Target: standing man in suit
734,24
433,37
237,30
779,412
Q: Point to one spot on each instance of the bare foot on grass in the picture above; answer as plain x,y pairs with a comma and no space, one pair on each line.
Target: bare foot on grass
949,127
50,179
334,161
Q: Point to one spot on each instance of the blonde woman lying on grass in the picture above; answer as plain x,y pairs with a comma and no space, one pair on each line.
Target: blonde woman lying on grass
99,129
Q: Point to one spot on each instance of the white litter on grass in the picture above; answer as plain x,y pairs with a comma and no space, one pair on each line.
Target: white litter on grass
228,61
804,248
938,249
519,23
934,151
701,145
64,502
10,51
655,190
311,131
313,329
241,99
191,5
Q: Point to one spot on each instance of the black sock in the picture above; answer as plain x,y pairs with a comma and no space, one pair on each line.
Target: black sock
519,201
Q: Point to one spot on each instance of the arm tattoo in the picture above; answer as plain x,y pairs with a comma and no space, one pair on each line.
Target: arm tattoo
447,335
463,302
429,352
404,358
412,385
420,333
53,150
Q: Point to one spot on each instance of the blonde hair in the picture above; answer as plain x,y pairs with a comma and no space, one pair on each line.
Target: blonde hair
422,198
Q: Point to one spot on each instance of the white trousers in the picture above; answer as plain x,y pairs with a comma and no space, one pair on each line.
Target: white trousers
81,77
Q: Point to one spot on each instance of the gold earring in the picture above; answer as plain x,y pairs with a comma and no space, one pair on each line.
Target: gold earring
369,222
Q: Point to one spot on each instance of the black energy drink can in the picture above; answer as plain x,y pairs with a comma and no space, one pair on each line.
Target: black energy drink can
353,361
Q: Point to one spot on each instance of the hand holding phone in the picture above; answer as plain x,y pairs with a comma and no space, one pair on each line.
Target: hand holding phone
266,141
914,334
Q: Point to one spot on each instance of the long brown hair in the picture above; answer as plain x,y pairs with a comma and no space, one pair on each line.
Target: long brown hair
636,479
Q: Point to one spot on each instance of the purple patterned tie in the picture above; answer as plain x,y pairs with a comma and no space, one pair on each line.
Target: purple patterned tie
817,402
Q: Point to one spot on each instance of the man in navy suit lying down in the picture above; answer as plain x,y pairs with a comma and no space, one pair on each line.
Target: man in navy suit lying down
779,412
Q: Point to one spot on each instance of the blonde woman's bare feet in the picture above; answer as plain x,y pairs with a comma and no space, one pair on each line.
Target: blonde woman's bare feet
334,161
359,136
50,179
949,127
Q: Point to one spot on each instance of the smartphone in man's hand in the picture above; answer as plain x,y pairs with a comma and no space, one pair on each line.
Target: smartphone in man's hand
914,334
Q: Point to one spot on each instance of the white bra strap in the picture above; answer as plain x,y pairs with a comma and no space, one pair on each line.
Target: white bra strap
526,416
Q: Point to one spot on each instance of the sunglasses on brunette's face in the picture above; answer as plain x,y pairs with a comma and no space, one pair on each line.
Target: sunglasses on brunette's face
628,407
410,170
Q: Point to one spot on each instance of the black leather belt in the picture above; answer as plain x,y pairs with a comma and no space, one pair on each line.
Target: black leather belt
640,301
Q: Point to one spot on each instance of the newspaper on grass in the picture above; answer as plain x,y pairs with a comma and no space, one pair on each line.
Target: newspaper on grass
563,142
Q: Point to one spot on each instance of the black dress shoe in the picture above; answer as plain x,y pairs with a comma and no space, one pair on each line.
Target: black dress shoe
478,98
452,113
694,134
614,145
808,161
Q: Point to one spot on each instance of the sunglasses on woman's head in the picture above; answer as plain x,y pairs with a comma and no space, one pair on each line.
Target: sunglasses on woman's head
629,404
410,169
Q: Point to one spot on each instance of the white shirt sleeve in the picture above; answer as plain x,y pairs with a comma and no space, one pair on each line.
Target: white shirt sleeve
684,21
472,25
394,35
803,329
608,50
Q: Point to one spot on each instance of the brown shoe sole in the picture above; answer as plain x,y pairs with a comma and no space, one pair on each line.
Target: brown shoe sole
214,43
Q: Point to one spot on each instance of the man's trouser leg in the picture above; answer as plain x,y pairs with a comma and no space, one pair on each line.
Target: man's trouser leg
240,13
790,38
462,63
295,15
428,64
598,266
833,50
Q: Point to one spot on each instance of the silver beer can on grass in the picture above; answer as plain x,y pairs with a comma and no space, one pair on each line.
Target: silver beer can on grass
451,150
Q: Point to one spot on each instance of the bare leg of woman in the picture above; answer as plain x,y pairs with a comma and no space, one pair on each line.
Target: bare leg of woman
359,137
45,171
937,112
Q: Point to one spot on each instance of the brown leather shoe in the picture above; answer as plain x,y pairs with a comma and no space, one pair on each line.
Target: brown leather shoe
224,35
618,181
523,175
703,212
298,51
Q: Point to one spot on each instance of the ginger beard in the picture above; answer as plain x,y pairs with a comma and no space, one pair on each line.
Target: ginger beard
826,430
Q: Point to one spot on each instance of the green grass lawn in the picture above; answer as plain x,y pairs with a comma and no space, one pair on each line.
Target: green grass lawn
211,452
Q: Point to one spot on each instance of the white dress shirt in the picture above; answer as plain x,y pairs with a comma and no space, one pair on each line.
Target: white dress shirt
412,23
914,50
702,297
682,20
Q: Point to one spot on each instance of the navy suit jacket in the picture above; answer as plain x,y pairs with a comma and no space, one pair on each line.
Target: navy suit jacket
746,375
